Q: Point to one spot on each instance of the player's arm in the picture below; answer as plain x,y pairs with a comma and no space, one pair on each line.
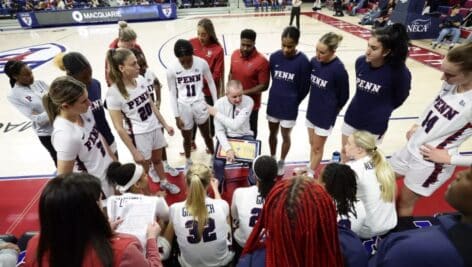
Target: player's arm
218,72
171,83
169,233
220,133
27,110
161,119
157,91
65,166
210,81
117,119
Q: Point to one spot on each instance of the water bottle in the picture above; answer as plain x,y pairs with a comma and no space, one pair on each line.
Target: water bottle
336,157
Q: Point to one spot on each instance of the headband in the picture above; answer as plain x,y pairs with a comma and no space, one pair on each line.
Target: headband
138,171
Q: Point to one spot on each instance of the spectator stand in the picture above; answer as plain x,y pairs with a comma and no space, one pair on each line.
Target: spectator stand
465,11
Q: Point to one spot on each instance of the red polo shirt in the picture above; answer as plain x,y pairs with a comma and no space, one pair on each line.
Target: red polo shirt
250,71
214,56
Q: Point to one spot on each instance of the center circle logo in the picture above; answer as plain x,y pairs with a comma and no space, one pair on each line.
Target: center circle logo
77,16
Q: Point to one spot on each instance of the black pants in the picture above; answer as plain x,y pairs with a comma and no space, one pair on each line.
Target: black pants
295,13
253,122
46,141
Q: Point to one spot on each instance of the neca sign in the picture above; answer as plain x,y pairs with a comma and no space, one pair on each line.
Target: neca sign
419,25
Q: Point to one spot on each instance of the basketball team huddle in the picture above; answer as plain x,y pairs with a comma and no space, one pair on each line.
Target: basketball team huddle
347,201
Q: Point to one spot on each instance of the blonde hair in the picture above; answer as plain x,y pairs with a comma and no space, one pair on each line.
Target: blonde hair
331,40
125,33
383,170
58,61
115,58
63,89
198,179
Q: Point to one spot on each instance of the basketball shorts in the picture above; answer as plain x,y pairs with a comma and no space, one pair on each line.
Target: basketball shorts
421,176
283,123
348,130
318,130
147,142
196,112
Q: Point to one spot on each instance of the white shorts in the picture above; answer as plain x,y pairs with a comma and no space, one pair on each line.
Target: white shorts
147,142
348,130
421,176
196,112
319,131
283,123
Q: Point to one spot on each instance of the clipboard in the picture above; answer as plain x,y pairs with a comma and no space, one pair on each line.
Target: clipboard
244,150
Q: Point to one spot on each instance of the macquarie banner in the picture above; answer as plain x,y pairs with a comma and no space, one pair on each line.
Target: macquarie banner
96,15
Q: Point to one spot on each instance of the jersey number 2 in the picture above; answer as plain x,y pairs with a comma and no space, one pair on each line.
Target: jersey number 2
208,231
255,213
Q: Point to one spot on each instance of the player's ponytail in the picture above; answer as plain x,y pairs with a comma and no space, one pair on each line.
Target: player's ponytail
265,171
340,182
385,176
115,58
198,179
394,39
63,90
383,170
12,69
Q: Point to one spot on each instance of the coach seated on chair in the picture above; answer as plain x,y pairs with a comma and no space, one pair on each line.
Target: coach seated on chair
446,244
231,115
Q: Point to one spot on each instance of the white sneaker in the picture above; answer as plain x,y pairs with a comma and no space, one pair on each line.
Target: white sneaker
170,170
280,167
172,188
154,176
187,167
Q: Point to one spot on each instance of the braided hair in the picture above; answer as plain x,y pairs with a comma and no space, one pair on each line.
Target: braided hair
340,182
298,223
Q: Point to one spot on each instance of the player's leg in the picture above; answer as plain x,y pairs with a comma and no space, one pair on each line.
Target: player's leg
205,131
202,119
273,132
346,131
253,120
317,143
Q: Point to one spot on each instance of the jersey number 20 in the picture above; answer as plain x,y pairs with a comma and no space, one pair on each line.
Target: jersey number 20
145,111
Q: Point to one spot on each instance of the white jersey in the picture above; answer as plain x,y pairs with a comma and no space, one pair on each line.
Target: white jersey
149,78
186,85
380,216
358,221
232,120
28,100
446,123
137,111
136,210
245,210
83,144
212,248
